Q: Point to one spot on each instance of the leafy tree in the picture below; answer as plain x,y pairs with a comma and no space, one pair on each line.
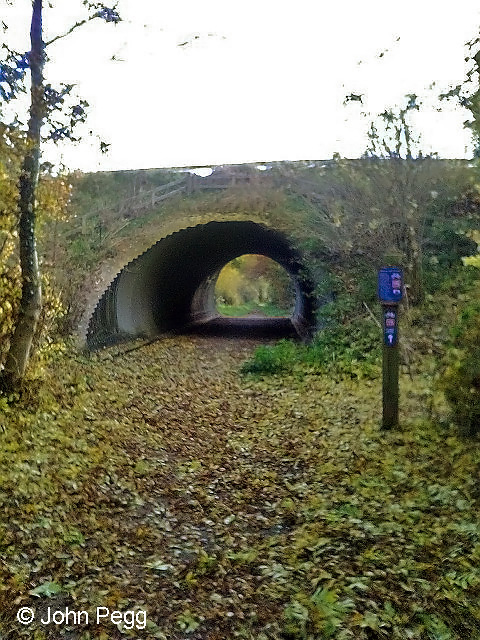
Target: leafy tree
461,380
385,202
53,194
396,143
46,103
254,279
473,261
11,146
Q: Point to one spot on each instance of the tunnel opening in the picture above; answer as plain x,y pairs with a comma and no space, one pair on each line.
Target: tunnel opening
254,285
171,286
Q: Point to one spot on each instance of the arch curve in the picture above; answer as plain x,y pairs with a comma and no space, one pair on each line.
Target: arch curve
171,285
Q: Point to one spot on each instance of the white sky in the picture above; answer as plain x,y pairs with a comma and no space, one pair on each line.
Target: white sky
268,83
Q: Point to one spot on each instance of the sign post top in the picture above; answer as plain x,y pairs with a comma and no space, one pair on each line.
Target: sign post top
390,285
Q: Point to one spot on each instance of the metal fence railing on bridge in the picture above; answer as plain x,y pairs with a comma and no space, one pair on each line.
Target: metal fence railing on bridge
131,207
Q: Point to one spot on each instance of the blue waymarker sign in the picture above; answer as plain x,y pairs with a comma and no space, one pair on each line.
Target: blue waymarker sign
390,326
390,285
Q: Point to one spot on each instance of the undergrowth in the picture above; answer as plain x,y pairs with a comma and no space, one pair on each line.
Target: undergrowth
349,342
461,381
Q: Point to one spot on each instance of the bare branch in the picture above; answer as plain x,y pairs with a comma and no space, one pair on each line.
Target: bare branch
67,33
371,315
105,13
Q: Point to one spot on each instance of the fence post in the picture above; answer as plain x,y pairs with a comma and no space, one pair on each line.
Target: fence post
189,183
390,284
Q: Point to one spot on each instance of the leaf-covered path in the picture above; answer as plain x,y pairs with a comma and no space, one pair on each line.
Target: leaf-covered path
226,507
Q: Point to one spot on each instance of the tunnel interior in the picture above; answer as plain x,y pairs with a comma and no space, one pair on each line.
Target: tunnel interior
171,287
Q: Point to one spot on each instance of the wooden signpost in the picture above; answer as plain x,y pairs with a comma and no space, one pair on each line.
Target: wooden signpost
390,285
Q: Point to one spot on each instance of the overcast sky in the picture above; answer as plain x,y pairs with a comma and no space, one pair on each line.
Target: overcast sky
258,80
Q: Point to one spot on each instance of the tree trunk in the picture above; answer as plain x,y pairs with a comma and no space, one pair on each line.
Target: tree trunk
414,258
31,300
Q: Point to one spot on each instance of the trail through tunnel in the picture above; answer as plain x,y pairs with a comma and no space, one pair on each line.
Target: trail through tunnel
171,287
254,284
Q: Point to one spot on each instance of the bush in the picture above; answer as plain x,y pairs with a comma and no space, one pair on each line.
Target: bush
461,380
352,350
280,358
10,292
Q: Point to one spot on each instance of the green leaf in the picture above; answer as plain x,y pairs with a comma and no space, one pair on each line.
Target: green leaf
187,621
142,468
74,537
47,589
159,565
436,628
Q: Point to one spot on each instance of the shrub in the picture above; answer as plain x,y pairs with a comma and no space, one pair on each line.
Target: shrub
280,358
352,350
461,380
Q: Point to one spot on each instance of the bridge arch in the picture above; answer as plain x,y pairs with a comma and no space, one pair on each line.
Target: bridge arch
171,285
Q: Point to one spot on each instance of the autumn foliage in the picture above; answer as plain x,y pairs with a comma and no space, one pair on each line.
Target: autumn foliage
53,198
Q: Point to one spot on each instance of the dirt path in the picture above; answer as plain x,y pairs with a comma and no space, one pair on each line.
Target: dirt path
162,481
253,327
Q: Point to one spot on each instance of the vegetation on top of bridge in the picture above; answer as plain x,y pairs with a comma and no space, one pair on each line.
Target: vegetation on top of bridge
99,197
334,201
382,205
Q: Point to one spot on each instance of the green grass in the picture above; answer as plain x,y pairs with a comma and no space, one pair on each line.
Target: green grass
267,309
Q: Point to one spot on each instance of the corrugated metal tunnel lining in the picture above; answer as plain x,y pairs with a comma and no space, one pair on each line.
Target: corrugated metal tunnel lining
172,284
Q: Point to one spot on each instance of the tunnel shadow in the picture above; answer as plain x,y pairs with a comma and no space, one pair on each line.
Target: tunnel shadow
244,327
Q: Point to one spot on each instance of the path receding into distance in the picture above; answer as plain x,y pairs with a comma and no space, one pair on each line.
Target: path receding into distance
167,481
207,464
